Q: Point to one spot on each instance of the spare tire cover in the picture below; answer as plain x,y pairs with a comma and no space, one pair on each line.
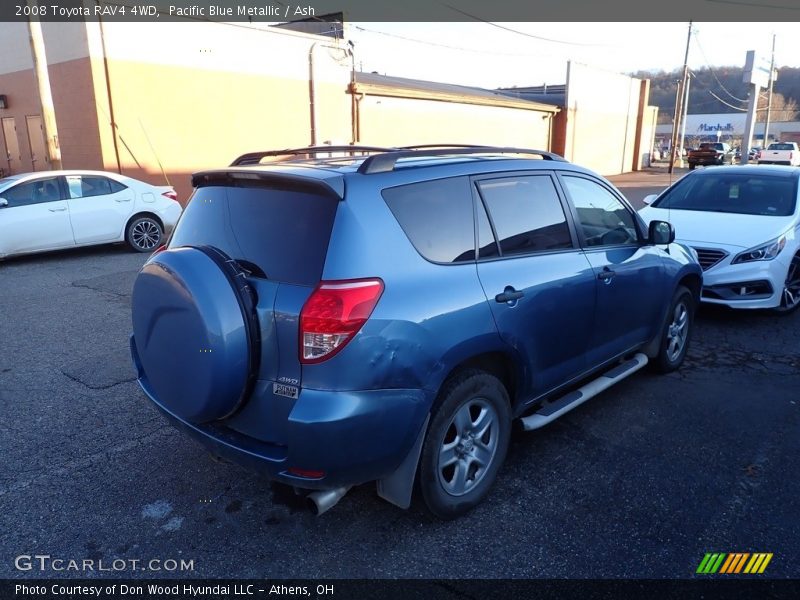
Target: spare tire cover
191,335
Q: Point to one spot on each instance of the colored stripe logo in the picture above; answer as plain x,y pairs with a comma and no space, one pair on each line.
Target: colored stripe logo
734,562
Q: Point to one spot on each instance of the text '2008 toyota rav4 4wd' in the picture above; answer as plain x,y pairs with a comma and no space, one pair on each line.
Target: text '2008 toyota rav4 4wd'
385,315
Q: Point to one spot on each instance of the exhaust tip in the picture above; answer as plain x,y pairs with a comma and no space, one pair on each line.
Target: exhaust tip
321,502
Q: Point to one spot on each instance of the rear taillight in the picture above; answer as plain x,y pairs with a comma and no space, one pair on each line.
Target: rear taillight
171,195
333,314
161,248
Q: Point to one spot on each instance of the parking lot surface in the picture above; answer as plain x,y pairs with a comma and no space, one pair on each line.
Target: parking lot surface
641,481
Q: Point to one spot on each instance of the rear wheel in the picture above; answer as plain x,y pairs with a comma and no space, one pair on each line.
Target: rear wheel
465,445
790,297
677,331
144,234
691,166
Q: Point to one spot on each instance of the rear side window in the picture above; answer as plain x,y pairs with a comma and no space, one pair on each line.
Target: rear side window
527,214
437,218
82,186
282,232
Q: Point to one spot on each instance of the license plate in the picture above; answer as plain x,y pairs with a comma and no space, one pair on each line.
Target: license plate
281,389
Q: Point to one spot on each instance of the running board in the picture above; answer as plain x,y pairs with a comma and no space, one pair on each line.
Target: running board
552,410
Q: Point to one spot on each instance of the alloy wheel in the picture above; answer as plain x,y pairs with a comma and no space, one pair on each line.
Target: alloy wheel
469,447
677,331
146,234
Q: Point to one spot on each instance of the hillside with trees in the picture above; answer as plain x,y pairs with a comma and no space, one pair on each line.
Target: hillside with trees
721,90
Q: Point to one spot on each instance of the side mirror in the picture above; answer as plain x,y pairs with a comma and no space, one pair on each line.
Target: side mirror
661,233
649,198
3,202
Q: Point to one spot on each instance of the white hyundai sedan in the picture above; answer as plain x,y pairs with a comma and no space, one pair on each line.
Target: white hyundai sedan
743,222
52,210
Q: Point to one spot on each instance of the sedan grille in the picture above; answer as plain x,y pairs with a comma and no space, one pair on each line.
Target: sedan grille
708,258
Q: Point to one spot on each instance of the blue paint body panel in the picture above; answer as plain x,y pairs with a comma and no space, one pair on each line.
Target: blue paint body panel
356,416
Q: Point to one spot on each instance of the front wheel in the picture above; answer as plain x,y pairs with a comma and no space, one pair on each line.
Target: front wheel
790,297
677,331
465,445
144,234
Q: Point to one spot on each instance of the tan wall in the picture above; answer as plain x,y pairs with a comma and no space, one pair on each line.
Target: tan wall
649,133
387,121
601,116
216,93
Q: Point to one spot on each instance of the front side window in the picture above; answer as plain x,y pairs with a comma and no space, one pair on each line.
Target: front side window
527,214
33,192
602,217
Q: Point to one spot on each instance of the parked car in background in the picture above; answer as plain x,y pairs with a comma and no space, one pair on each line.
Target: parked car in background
743,223
334,321
780,153
710,153
52,210
752,154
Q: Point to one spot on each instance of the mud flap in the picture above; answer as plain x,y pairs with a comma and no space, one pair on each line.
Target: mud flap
398,487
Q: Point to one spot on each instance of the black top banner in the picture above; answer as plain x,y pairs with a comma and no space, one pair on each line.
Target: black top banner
276,11
485,589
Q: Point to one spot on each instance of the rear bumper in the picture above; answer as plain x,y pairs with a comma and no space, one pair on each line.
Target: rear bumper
353,437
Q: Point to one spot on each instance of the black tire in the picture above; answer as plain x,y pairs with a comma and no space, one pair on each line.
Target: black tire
691,166
676,332
476,404
790,296
144,234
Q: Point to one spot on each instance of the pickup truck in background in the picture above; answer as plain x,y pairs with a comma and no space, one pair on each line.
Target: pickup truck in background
711,153
780,153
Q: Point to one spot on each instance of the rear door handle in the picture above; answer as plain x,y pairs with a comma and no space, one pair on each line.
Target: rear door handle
509,295
122,199
62,209
606,275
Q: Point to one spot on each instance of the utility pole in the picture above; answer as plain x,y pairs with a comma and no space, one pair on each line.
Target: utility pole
679,105
685,112
769,94
45,94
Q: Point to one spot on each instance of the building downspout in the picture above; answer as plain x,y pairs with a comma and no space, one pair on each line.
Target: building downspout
311,95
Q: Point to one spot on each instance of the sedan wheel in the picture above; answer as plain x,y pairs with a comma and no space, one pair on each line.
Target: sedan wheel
144,234
790,297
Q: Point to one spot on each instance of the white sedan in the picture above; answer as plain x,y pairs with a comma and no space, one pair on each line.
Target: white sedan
743,222
51,210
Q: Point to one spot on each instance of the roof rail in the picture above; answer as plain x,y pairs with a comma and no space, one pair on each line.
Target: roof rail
386,161
253,158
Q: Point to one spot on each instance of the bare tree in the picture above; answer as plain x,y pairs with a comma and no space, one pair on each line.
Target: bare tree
782,109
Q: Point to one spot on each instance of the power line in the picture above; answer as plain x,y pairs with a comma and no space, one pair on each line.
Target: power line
528,35
439,45
708,65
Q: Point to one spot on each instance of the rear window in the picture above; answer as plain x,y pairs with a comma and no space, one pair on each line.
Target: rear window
781,147
437,218
281,232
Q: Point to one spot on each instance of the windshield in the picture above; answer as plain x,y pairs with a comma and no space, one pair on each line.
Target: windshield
739,193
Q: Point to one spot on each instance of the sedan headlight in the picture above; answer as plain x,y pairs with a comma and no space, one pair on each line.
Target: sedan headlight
767,251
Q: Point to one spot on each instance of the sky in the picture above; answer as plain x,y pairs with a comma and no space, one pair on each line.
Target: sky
491,55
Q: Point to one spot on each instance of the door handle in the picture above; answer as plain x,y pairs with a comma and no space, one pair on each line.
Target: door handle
606,275
57,209
509,295
122,199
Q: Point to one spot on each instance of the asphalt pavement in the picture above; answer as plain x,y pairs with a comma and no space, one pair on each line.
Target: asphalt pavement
640,482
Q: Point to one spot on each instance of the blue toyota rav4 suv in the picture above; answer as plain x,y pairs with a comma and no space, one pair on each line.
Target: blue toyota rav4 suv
385,314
